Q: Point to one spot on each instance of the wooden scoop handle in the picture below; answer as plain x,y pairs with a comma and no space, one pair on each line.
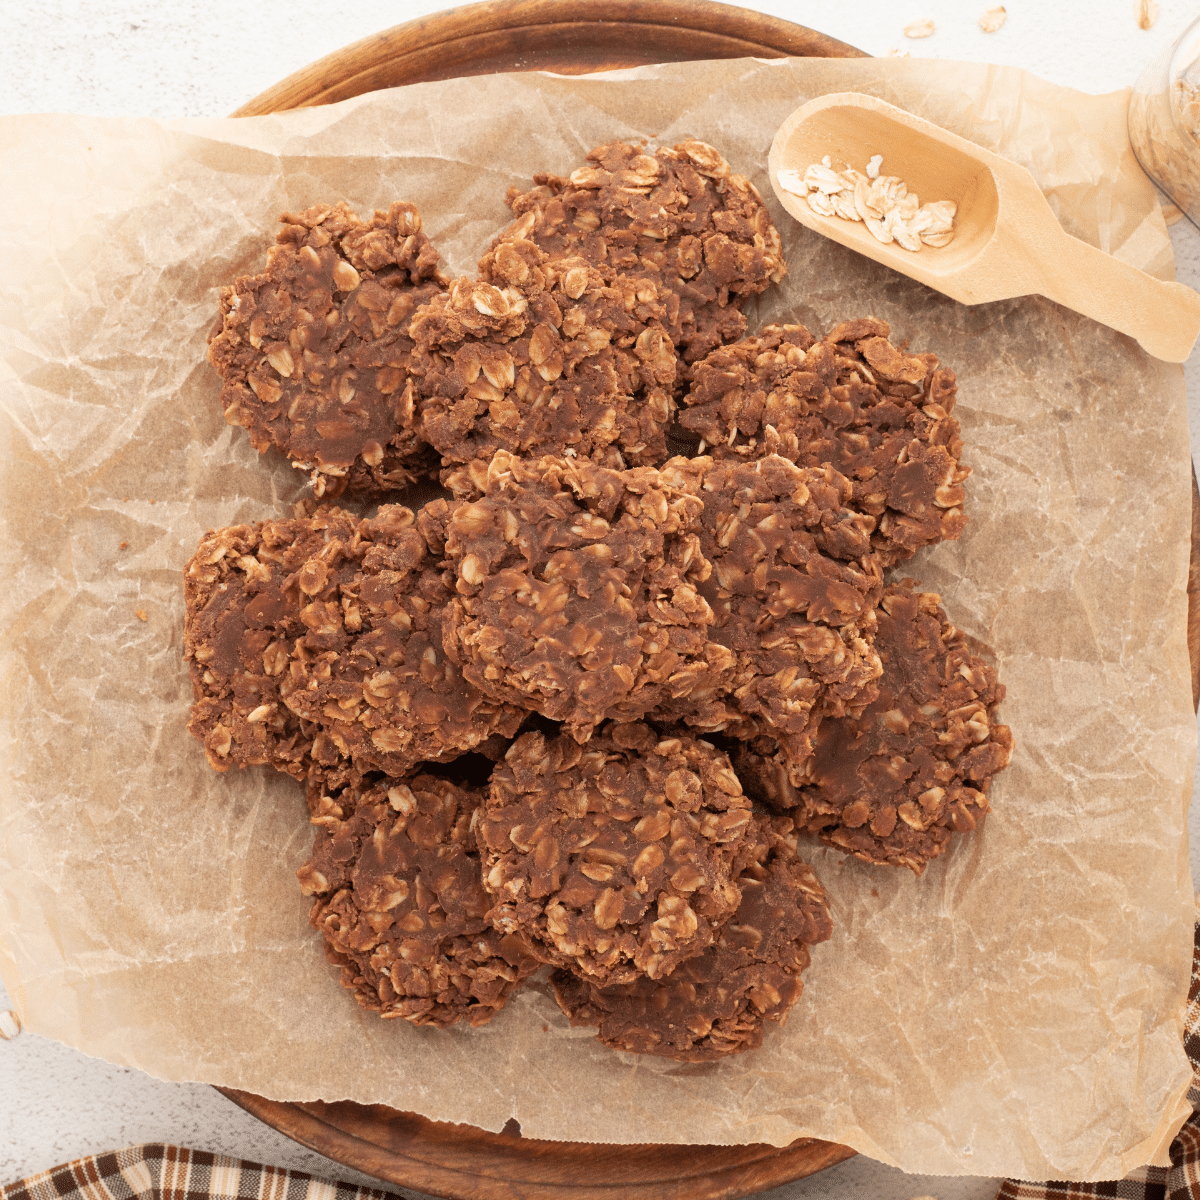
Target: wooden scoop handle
1163,317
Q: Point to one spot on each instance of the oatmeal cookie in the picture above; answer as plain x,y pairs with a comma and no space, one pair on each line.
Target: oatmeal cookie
718,1002
243,614
314,352
894,784
618,858
677,222
795,624
880,416
542,357
576,591
394,875
315,644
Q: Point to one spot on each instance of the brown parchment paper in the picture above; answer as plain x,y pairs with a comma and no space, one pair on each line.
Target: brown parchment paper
1016,1011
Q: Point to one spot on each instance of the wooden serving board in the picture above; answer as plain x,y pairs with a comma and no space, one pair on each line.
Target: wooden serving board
471,1164
569,37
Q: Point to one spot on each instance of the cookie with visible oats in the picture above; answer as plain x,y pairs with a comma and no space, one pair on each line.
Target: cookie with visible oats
792,590
542,357
576,590
678,223
314,351
618,858
315,646
879,415
394,877
895,783
243,604
718,1002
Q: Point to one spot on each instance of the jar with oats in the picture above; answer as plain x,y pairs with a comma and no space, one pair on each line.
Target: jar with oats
1164,121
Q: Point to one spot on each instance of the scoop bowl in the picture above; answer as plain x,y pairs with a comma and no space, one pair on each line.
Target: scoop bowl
1007,241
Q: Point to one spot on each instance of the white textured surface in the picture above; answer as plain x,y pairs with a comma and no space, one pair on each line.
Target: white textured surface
188,58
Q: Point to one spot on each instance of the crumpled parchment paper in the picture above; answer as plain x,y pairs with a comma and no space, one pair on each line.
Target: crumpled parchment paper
1016,1011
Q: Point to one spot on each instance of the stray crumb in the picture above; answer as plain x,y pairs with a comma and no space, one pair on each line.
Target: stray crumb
875,893
140,614
1147,13
10,1026
545,1028
993,19
125,499
894,53
1171,213
921,29
124,545
151,501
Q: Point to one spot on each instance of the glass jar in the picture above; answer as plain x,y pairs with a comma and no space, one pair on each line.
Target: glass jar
1164,121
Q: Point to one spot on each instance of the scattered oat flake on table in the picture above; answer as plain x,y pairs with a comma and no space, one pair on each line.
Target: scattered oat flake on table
1147,13
140,614
919,29
993,19
10,1026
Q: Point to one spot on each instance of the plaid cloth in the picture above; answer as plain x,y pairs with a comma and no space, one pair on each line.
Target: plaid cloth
1179,1181
156,1172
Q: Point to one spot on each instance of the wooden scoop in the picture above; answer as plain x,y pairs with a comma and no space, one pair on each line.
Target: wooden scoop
1007,241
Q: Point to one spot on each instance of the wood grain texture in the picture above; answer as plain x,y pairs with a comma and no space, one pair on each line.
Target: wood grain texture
570,37
467,1163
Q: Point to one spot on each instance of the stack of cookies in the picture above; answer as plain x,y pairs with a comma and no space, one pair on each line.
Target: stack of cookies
584,708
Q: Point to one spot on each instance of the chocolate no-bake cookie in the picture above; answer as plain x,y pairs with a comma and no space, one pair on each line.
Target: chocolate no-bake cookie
678,222
795,623
244,608
879,415
618,858
895,783
576,593
542,357
316,643
395,878
314,352
716,1003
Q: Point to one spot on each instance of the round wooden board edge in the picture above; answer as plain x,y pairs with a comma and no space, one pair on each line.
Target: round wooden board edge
437,1157
409,53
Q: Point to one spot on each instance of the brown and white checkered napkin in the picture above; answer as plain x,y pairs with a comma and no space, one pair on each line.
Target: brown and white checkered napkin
1179,1181
157,1172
